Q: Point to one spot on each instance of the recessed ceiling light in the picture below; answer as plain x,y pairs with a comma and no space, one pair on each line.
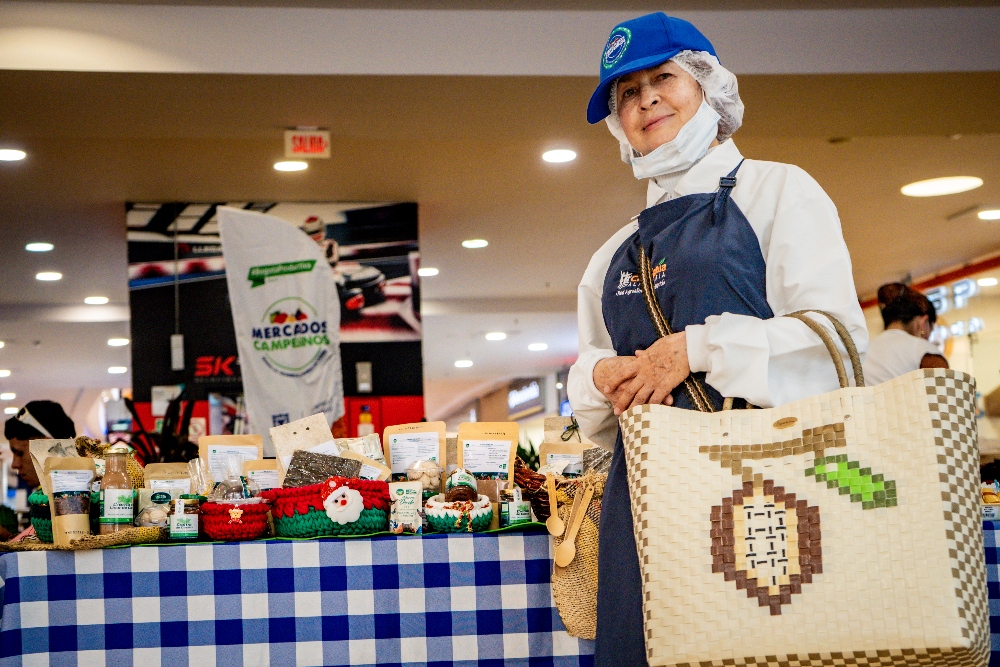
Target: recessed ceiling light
117,370
427,272
559,385
935,187
1,344
990,214
4,373
96,300
987,282
48,275
8,396
463,363
291,165
39,247
496,335
11,411
538,347
11,155
559,155
475,243
117,342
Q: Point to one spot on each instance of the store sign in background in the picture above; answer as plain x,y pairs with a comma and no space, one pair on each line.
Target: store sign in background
377,246
525,397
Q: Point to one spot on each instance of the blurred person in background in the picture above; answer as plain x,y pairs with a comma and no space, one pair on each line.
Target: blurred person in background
909,319
37,419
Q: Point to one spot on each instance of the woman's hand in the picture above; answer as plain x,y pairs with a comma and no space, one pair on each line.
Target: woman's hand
612,373
658,370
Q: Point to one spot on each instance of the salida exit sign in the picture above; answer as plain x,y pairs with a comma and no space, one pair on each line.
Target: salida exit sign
307,143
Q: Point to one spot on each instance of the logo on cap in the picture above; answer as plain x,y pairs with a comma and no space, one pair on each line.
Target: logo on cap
617,43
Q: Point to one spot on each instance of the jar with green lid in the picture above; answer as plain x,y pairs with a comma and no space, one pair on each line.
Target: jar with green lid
183,517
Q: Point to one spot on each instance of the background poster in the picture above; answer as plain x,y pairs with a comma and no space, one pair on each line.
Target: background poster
373,250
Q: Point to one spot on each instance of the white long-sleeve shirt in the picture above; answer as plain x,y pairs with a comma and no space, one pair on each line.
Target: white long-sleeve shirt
767,362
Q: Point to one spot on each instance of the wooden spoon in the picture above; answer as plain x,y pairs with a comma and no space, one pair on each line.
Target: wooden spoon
566,551
557,571
553,523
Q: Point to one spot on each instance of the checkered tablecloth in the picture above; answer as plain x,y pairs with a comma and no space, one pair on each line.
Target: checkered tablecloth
991,537
437,600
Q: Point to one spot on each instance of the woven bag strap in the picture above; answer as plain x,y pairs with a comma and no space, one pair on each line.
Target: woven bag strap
845,338
695,389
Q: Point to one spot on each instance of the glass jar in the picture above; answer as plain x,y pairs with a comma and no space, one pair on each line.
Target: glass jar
183,517
117,497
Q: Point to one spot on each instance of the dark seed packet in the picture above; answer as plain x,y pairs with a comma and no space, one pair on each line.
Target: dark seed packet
308,468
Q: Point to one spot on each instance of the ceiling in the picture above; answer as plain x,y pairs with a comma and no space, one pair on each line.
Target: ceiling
583,5
467,149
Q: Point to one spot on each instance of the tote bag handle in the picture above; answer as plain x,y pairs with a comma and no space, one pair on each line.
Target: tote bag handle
696,389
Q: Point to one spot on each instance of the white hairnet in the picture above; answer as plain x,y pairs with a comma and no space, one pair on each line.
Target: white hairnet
718,84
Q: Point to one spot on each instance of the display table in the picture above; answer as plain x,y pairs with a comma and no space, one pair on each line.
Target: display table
438,599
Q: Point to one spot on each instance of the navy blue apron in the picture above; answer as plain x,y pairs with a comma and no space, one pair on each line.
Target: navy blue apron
706,260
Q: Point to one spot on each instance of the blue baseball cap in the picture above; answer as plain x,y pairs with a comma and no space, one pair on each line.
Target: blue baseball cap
638,44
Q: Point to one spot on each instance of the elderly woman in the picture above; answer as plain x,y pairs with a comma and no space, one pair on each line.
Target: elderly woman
733,245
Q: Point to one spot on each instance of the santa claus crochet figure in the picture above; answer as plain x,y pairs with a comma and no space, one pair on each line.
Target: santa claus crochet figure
343,504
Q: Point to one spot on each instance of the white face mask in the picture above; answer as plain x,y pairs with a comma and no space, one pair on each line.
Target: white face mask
690,145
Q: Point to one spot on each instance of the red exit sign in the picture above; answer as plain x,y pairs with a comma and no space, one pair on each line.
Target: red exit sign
307,143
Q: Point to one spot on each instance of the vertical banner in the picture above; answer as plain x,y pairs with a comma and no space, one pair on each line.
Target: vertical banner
286,312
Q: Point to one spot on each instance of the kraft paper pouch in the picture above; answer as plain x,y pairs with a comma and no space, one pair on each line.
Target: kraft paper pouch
214,451
488,449
566,458
43,448
67,483
404,444
310,433
264,473
370,468
163,476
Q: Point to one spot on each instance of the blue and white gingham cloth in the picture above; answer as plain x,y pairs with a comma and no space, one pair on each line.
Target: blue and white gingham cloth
990,531
437,600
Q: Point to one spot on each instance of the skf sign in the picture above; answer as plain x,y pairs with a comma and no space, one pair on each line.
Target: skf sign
307,143
205,367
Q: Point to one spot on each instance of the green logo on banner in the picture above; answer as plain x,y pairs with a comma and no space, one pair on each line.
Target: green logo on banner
258,274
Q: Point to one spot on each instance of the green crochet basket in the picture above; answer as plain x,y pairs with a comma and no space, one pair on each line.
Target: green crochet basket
299,512
41,516
444,517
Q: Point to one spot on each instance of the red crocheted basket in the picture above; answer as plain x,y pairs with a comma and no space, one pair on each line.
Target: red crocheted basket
303,499
234,522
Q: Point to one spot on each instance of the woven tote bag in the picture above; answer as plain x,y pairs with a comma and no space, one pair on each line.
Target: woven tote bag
842,529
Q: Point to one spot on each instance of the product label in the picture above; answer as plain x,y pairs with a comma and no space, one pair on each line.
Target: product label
460,478
71,480
183,526
167,484
567,464
407,448
486,459
329,448
369,472
99,467
266,479
218,457
406,504
117,506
